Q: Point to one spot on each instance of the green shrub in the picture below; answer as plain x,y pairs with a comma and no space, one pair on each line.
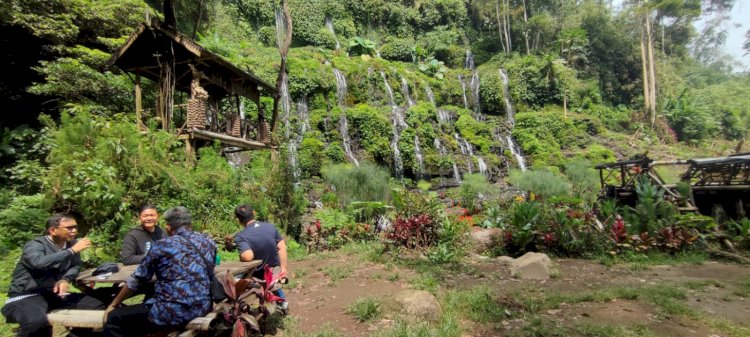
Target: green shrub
324,38
365,309
23,219
651,212
397,49
267,36
309,156
540,182
599,154
367,182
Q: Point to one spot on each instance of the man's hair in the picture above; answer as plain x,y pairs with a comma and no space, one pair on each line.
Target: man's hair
54,220
244,213
178,217
147,207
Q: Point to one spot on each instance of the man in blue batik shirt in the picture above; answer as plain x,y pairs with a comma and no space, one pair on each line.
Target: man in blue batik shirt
182,264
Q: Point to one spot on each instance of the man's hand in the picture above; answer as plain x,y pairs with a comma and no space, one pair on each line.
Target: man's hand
109,309
61,288
81,245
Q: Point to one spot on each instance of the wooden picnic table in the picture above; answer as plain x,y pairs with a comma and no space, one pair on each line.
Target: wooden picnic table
236,268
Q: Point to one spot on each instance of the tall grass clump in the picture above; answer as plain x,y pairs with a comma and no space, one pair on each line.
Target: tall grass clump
583,178
540,182
367,182
472,187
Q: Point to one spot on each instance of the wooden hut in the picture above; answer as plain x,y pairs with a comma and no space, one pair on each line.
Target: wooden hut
177,63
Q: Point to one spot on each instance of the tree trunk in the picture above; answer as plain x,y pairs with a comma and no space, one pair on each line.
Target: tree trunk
526,28
506,14
500,26
651,68
645,75
283,51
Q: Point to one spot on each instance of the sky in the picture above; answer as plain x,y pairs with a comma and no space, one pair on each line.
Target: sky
739,25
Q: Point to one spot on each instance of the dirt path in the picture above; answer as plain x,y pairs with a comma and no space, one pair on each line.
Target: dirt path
324,287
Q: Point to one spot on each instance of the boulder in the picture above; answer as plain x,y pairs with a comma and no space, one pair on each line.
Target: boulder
483,238
531,266
419,304
505,260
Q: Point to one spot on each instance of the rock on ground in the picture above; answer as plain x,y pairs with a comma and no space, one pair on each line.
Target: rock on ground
531,266
419,304
483,238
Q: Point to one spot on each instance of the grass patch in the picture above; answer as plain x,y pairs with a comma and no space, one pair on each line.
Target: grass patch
640,261
290,330
743,288
477,304
727,326
702,284
365,309
447,327
425,282
338,272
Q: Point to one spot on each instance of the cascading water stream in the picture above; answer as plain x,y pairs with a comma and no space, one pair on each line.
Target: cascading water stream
469,61
418,154
515,150
303,115
463,90
511,115
405,90
343,122
329,26
430,95
399,123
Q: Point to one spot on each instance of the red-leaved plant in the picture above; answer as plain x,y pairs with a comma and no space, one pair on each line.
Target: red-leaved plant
413,232
249,302
618,232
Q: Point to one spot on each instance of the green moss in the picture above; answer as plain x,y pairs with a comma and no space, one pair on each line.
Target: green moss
372,129
598,154
309,155
335,152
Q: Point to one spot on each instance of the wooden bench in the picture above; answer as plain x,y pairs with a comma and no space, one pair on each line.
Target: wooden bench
72,318
92,319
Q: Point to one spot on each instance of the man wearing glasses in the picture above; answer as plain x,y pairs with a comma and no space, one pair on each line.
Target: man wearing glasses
47,268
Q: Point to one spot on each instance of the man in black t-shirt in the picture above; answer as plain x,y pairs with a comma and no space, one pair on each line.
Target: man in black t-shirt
261,241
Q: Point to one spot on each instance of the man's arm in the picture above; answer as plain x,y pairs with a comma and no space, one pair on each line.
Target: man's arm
34,256
128,251
282,255
244,248
75,268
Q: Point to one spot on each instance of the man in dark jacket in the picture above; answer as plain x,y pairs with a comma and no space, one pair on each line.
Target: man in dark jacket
43,275
140,239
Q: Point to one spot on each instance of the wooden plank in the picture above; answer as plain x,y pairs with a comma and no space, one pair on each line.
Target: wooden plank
236,268
229,140
91,319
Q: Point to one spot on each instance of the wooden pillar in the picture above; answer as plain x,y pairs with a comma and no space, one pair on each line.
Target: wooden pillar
138,103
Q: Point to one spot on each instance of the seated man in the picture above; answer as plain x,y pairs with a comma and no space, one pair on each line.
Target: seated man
139,240
261,241
183,264
40,282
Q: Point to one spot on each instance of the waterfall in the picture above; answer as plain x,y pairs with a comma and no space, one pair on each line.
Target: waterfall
463,89
405,90
303,115
474,84
482,165
456,174
506,97
343,122
418,154
444,115
399,123
430,95
291,141
281,27
439,147
469,62
516,152
329,26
